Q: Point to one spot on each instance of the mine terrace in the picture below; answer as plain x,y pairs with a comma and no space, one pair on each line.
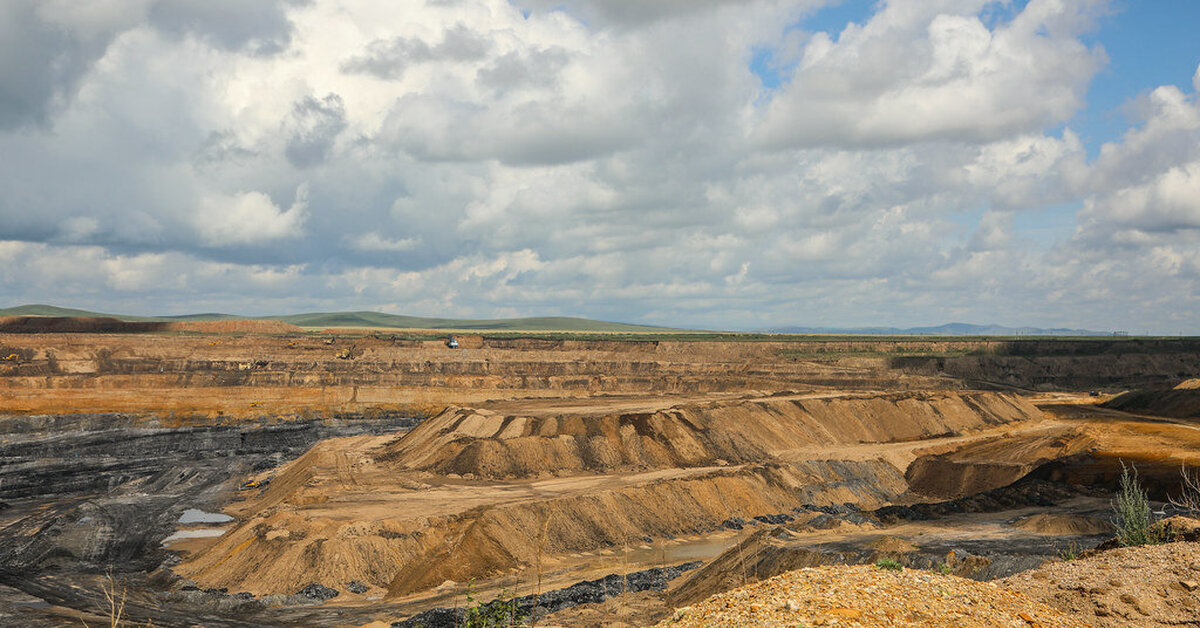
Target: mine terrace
256,473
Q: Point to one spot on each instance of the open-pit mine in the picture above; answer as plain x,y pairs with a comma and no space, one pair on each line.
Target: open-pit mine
259,474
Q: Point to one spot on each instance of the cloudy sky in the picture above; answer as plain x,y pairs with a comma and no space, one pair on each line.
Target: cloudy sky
728,164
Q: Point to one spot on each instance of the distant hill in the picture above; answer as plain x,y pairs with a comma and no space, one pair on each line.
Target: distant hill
949,329
364,319
54,310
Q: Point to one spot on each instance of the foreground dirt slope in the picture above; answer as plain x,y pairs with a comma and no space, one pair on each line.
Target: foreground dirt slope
867,595
1143,587
409,514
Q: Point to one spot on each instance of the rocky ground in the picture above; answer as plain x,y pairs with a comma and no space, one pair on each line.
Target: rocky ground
1157,585
1141,587
867,595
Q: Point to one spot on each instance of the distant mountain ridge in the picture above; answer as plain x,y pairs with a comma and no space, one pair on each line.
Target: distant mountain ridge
949,329
363,319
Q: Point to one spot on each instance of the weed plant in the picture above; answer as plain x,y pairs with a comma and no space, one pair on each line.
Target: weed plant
889,564
1131,512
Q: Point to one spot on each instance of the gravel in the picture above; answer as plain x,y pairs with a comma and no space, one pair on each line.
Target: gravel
866,595
1149,586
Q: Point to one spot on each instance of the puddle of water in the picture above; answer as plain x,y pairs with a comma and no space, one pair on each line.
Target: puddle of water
195,515
202,533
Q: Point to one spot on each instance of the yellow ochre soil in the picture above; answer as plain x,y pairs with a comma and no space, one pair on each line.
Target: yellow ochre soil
1139,587
867,595
474,494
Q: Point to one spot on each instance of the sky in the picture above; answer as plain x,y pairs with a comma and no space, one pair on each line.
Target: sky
724,164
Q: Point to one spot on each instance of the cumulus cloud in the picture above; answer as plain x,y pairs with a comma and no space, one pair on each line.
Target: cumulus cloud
375,242
1145,189
247,218
256,27
388,58
314,126
629,12
921,70
618,160
47,47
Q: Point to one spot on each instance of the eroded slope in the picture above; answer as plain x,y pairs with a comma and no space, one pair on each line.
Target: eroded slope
473,494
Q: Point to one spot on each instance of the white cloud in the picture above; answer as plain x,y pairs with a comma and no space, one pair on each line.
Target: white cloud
375,242
611,159
247,218
1145,189
921,70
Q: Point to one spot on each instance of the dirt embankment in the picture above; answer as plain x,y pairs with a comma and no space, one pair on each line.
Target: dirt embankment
324,374
1063,364
993,463
1181,402
409,514
104,325
269,368
478,442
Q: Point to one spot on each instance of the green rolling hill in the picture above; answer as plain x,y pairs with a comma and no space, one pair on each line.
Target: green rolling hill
365,319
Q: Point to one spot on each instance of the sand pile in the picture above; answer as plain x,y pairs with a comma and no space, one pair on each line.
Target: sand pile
994,463
1064,525
869,596
474,494
463,440
1183,401
235,327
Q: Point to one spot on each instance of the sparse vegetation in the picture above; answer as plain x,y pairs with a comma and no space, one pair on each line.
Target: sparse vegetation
502,612
1189,495
1132,515
1070,552
889,564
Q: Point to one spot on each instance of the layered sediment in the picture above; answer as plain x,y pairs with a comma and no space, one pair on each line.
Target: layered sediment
473,494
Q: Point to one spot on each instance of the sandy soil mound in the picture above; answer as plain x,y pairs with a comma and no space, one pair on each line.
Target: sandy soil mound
463,440
870,596
1181,402
1064,525
236,327
994,463
474,494
1133,586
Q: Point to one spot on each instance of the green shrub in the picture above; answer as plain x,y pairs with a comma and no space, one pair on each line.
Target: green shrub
1132,515
888,563
501,612
1070,552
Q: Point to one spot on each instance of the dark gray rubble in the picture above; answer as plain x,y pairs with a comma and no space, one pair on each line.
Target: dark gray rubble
586,592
